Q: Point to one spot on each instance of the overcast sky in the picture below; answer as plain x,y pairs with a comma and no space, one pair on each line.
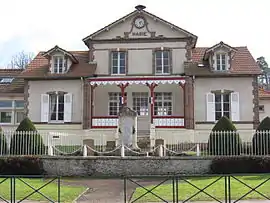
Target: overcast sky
35,25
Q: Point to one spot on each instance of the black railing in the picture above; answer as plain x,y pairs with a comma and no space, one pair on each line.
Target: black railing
177,180
13,186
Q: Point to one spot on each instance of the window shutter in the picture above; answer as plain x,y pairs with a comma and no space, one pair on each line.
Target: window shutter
235,115
67,107
44,108
211,108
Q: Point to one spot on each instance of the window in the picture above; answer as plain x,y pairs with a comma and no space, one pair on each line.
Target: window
118,62
59,64
261,108
221,62
56,109
140,103
163,104
19,116
11,112
222,105
115,102
162,62
6,80
6,116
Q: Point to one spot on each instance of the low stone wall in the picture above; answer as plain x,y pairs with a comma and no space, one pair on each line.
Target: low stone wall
117,166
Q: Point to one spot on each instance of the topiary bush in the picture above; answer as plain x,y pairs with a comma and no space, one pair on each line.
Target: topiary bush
26,140
240,164
224,139
21,166
3,143
261,138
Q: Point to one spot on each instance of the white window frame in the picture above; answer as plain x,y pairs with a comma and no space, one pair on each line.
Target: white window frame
219,67
117,101
13,110
118,62
140,96
56,69
57,107
222,105
164,111
162,62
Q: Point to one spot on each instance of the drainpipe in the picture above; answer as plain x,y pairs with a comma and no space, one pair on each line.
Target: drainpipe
82,88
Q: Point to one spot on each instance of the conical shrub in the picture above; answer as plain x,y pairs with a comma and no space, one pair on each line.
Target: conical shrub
261,138
26,140
224,138
3,143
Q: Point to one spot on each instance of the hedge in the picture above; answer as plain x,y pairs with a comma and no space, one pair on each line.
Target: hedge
22,165
240,164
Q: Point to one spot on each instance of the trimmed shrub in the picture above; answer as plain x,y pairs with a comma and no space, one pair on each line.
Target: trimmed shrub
240,164
21,166
3,143
26,140
261,138
224,139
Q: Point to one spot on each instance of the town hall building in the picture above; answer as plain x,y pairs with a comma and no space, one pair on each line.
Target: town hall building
141,61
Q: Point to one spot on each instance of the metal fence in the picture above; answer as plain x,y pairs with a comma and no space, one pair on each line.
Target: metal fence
11,184
222,143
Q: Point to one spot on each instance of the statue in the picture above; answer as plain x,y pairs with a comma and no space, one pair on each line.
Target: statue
128,127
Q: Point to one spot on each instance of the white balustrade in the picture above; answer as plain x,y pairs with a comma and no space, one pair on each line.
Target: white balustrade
169,121
100,122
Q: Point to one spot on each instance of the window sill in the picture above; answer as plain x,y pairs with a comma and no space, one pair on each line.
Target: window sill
118,74
162,73
56,122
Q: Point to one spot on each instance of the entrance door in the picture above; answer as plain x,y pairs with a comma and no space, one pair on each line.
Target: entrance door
141,106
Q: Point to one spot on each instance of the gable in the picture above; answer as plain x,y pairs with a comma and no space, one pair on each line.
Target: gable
128,27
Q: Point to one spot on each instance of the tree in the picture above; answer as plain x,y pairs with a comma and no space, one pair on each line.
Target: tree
261,139
264,78
21,60
26,140
224,138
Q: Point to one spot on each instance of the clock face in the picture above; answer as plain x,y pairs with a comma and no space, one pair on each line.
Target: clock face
139,22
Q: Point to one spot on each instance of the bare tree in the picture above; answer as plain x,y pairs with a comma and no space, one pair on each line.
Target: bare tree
21,60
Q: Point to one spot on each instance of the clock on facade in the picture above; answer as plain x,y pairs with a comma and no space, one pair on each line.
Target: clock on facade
139,22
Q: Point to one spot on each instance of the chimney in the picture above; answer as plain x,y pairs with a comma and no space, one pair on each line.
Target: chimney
140,7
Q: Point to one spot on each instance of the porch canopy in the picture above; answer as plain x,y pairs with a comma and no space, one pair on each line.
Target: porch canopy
123,83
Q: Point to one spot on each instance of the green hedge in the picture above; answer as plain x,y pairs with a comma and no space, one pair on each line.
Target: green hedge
22,165
240,164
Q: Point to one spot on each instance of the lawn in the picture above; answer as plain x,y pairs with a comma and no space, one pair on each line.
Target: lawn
67,193
186,190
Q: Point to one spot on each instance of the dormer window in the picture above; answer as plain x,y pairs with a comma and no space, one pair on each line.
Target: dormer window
221,62
59,64
60,60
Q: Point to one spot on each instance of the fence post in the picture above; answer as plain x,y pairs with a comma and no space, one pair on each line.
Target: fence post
84,151
122,151
50,150
198,152
160,151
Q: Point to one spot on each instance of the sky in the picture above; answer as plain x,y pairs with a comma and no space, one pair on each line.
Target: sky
35,25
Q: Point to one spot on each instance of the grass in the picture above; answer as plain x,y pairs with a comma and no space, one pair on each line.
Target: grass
67,193
186,190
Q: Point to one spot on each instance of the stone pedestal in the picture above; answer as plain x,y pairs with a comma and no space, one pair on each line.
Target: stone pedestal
90,143
128,128
159,142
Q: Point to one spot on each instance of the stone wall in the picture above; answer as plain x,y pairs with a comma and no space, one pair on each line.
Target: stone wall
117,166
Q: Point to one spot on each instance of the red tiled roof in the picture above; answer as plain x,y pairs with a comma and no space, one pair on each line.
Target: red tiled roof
16,86
264,93
242,62
39,67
